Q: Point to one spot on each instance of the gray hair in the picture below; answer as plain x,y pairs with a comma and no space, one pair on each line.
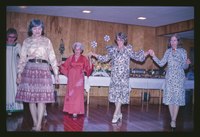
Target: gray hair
78,44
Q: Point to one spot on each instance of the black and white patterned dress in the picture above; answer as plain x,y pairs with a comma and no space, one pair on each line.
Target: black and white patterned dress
174,92
119,90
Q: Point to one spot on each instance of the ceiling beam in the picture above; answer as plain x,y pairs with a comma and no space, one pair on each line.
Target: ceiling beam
175,28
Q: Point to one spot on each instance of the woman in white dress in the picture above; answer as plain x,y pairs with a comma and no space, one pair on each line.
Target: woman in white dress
12,56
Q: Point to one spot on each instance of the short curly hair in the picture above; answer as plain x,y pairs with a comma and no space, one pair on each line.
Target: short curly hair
78,44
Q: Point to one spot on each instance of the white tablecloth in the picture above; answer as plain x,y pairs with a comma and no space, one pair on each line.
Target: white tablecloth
138,83
135,83
63,81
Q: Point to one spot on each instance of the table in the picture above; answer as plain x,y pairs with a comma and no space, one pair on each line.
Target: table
189,84
135,83
148,84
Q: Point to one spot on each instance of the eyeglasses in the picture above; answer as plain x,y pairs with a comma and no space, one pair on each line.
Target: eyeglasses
119,40
173,40
11,36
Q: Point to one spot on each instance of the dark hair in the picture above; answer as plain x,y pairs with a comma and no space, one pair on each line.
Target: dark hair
122,36
12,31
35,23
178,39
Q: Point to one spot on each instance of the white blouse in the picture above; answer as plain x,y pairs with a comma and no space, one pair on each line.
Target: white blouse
39,48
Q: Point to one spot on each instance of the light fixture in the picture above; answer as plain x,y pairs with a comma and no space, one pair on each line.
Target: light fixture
86,11
141,18
22,7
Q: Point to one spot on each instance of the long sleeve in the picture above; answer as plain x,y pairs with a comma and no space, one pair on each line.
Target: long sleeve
103,58
138,56
39,48
87,67
163,61
23,58
18,49
52,58
107,57
184,56
64,68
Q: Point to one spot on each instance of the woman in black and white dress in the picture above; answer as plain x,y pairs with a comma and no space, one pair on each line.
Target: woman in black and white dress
120,55
176,58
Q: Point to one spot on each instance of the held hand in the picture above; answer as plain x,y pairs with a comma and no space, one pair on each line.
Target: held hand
90,59
89,56
92,54
151,52
146,53
188,61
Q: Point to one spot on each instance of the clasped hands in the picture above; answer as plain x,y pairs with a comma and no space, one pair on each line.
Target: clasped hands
149,52
90,54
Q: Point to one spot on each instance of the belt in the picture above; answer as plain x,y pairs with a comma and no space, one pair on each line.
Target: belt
38,61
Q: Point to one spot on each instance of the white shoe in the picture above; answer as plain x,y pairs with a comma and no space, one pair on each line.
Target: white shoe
45,113
173,124
116,118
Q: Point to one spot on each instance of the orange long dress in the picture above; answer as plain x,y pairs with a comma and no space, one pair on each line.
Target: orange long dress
75,71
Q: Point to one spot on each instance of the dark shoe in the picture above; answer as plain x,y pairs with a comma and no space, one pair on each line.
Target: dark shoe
173,125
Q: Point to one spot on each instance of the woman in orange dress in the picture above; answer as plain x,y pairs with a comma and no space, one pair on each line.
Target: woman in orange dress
75,67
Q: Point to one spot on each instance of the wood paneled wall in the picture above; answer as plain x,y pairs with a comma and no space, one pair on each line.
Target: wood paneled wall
175,27
84,31
72,30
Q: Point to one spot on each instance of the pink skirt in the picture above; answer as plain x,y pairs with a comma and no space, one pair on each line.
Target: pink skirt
36,84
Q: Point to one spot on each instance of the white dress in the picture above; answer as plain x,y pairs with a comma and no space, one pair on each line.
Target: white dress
12,58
